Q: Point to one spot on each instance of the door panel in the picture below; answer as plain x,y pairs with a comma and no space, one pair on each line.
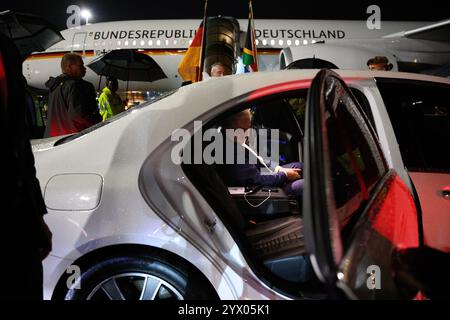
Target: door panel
357,213
435,207
420,115
388,226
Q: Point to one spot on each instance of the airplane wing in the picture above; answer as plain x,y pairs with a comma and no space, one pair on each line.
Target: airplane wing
439,31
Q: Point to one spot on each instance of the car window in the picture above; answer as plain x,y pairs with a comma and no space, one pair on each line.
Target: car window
112,119
356,161
298,106
281,113
364,103
420,114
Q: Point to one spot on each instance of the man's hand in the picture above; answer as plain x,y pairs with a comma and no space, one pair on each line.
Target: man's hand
292,174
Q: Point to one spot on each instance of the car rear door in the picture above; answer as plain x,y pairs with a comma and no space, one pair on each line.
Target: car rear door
420,115
358,214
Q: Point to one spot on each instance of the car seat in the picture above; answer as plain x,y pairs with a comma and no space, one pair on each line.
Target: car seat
278,243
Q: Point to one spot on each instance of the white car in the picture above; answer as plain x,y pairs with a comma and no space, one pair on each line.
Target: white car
130,223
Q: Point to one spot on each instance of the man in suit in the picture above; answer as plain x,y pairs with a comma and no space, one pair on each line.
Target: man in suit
249,173
26,237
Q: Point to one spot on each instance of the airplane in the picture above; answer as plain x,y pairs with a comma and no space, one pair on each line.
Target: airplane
280,43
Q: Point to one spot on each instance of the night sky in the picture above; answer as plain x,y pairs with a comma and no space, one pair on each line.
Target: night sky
111,10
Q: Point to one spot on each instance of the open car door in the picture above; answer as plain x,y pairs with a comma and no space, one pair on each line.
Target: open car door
358,214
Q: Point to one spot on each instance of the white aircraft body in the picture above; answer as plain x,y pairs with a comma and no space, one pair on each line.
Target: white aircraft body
166,41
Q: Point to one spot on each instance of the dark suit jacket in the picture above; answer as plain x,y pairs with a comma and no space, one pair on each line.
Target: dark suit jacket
249,173
72,106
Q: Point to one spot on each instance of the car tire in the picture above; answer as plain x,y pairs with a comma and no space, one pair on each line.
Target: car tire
129,277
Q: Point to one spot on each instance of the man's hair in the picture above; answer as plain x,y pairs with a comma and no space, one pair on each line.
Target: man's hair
378,60
68,59
381,60
228,123
218,63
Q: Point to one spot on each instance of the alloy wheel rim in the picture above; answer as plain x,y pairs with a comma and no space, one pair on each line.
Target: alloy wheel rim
134,286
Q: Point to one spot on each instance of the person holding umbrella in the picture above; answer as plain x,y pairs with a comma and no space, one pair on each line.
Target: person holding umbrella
72,105
127,65
109,101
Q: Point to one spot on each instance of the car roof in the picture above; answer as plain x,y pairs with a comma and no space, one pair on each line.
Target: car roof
190,102
234,85
214,91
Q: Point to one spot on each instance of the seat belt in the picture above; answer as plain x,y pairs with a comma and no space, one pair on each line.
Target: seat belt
260,159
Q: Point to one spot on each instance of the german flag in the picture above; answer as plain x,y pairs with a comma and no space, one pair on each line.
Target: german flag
189,67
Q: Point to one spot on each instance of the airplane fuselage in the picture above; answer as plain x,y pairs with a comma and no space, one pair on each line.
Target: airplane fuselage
166,42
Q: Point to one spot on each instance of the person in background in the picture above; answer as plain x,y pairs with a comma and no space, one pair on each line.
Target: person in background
72,105
35,126
109,101
25,237
217,70
379,63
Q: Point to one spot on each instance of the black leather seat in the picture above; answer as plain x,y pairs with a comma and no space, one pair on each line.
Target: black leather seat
278,243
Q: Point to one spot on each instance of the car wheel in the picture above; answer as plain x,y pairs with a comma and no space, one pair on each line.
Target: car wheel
135,278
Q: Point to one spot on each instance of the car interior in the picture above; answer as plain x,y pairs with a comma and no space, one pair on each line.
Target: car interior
265,222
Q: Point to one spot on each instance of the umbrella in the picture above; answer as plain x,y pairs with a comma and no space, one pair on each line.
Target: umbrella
312,63
127,65
28,32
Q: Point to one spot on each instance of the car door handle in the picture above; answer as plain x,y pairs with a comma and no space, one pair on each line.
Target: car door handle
210,225
445,192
